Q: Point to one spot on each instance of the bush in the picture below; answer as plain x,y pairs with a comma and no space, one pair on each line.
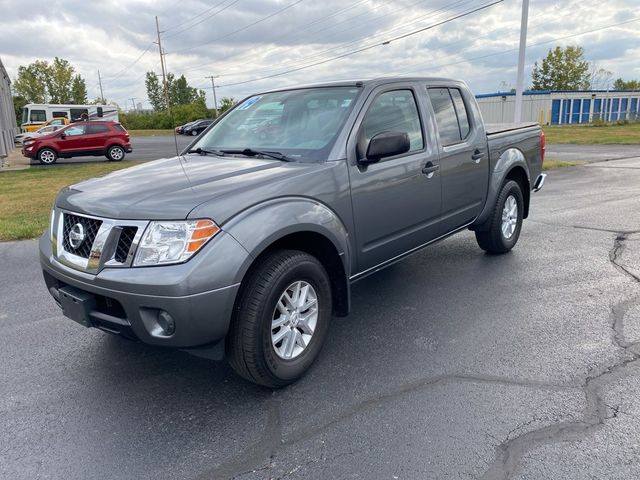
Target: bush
180,114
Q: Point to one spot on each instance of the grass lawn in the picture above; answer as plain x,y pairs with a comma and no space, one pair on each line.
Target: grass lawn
588,134
26,196
150,132
555,164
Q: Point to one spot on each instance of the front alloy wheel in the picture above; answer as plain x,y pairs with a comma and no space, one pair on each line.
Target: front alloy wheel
281,318
294,320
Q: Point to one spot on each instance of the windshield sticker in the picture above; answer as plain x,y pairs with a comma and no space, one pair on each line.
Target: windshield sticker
345,103
249,102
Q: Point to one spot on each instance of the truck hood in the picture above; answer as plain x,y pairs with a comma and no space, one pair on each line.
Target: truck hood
168,189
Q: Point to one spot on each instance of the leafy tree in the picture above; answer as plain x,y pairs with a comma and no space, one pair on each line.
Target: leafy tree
621,84
78,91
154,92
55,82
225,104
18,104
59,79
30,83
562,69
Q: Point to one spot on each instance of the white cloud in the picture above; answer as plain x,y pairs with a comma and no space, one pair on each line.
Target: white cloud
479,48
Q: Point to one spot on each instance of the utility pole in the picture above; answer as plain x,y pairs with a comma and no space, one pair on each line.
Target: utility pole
213,87
100,82
133,102
523,46
164,75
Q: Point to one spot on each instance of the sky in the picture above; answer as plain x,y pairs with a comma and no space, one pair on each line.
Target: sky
304,41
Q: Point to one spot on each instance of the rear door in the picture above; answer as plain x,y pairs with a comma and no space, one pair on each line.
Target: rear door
96,137
464,158
396,201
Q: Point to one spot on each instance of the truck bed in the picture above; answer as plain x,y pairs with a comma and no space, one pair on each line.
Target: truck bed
495,128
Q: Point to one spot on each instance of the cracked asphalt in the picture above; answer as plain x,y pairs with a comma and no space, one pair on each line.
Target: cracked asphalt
453,365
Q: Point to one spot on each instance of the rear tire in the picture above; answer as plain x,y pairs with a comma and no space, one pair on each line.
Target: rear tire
265,344
47,156
501,231
115,153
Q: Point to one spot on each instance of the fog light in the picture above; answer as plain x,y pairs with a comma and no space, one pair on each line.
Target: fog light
166,323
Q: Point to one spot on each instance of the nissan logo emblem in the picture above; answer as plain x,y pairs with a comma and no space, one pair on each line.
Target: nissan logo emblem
76,235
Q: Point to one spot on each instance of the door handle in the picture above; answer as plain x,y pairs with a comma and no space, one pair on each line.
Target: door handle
429,169
477,156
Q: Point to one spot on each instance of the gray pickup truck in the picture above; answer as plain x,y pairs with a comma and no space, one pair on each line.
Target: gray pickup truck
247,243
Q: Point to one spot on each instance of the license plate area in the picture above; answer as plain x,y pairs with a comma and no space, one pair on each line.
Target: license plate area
77,304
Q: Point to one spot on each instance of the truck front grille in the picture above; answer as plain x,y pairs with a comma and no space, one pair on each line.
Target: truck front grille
87,231
127,234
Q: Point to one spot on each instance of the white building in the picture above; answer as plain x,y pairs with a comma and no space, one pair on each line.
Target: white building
8,127
559,108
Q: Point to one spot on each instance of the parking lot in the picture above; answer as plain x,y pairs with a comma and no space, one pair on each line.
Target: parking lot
453,364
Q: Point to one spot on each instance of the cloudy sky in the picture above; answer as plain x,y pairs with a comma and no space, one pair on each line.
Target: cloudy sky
302,41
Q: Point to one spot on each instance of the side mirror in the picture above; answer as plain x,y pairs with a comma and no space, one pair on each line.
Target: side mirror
63,135
387,144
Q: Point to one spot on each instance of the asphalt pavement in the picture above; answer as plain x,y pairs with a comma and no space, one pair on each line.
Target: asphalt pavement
453,365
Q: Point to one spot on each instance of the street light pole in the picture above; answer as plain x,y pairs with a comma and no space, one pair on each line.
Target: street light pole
523,46
213,87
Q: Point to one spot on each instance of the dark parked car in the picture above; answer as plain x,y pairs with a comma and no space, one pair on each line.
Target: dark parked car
196,128
246,246
180,129
93,138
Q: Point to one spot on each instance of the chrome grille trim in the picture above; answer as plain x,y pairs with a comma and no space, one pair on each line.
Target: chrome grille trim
105,244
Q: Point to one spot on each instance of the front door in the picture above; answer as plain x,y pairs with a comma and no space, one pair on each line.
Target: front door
396,201
70,139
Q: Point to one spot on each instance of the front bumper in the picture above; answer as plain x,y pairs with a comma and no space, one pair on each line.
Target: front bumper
200,318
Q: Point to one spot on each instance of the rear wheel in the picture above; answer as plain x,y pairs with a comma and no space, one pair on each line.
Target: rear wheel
281,319
115,153
47,156
501,231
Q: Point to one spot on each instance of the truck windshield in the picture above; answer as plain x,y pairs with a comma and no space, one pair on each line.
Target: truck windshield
301,124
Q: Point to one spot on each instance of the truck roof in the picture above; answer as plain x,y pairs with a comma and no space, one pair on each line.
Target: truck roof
372,82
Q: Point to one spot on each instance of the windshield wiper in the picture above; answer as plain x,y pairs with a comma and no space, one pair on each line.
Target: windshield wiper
204,151
252,153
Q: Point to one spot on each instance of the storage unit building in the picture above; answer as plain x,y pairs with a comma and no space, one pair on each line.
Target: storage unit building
560,108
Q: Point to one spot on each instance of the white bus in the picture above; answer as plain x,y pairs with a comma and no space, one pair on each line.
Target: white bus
34,115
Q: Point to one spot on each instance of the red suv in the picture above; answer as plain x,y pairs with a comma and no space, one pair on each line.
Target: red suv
78,139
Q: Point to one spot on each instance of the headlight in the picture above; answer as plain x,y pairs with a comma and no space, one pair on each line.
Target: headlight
29,142
173,242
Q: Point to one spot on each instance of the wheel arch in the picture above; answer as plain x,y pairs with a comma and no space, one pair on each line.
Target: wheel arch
297,224
511,165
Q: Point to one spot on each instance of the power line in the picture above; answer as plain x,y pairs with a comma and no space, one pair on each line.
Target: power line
369,47
204,19
358,41
277,12
115,75
537,44
195,16
323,33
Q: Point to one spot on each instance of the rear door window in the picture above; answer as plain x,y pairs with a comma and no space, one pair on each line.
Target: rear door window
91,129
446,117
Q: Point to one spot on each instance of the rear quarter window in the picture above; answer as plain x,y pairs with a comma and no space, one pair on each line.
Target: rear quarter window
461,110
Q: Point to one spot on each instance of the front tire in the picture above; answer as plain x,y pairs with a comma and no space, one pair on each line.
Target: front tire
281,319
501,231
47,156
194,133
115,153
